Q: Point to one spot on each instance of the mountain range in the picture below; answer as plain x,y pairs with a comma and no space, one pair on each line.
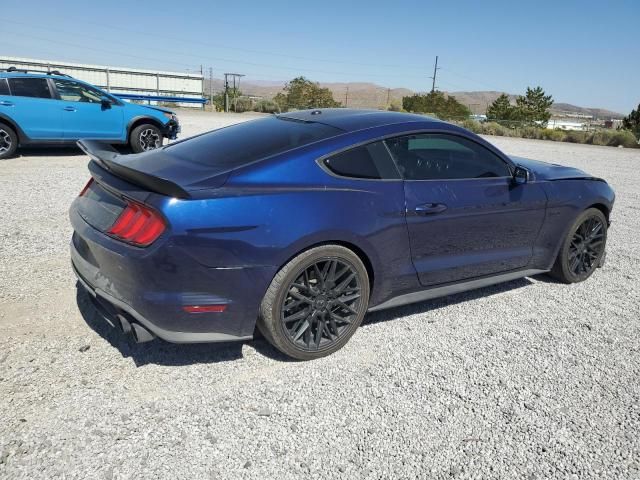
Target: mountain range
370,95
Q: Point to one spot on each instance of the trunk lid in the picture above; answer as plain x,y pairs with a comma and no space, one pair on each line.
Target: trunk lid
157,171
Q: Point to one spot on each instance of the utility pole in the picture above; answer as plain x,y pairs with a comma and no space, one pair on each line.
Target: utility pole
236,77
211,88
346,97
435,72
388,95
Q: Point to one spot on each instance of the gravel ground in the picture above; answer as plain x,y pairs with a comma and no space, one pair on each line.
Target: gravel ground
530,379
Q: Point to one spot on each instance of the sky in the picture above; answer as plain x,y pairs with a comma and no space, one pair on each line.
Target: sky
582,52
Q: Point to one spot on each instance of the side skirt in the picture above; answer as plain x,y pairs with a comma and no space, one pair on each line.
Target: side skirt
454,288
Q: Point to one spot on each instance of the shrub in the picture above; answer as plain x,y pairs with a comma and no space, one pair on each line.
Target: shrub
395,106
266,106
472,125
621,137
555,135
574,136
530,132
242,104
493,128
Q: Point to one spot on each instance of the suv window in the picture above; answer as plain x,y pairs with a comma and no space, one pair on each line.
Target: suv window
4,87
367,161
442,157
30,87
77,92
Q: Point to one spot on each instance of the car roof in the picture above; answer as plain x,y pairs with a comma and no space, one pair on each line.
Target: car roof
18,73
351,119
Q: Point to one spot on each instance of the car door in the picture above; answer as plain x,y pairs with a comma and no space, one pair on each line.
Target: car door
32,107
84,115
465,216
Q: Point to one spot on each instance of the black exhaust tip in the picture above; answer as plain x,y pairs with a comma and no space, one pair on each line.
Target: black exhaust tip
123,324
141,334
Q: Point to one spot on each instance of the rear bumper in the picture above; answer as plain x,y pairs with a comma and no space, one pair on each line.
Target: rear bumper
115,307
151,286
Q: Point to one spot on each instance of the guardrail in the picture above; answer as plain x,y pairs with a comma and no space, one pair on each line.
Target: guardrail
160,98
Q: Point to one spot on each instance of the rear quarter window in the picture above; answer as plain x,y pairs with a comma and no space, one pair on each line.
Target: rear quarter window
370,161
244,143
30,87
4,87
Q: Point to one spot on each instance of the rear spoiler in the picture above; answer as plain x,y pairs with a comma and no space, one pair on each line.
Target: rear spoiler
107,157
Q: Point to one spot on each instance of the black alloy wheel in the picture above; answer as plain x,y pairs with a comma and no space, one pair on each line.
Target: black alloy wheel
321,303
316,302
584,248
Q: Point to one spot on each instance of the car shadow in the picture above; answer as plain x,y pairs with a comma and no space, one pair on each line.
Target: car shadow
159,352
66,151
50,152
434,304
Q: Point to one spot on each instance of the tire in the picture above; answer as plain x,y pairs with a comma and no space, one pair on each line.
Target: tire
145,137
8,141
583,249
309,295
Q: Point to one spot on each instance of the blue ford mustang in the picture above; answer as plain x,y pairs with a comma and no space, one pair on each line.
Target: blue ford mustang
300,223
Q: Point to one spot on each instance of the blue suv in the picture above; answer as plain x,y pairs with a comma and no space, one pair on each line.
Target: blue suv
50,108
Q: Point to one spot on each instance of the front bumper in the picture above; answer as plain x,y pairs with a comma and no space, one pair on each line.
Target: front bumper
171,129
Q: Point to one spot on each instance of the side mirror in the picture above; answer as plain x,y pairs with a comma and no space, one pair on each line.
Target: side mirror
106,102
520,175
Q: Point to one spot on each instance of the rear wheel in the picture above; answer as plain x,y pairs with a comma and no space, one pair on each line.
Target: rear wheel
8,141
315,303
145,137
583,249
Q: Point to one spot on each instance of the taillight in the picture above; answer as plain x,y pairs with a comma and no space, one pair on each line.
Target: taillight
138,225
86,187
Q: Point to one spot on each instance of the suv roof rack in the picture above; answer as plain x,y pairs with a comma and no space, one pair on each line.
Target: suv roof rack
48,72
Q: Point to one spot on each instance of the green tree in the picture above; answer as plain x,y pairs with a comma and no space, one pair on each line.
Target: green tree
533,108
632,122
445,107
502,111
301,93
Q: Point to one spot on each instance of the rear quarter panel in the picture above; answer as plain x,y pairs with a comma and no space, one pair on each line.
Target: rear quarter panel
267,214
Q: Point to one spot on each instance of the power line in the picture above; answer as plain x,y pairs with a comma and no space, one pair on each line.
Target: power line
210,59
218,46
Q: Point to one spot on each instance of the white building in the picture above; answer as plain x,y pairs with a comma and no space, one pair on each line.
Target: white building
119,80
565,125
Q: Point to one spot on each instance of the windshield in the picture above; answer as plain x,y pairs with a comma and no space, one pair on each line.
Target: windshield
244,143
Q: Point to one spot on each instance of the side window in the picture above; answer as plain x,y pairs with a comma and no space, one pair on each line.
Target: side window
442,157
370,161
76,92
30,87
4,87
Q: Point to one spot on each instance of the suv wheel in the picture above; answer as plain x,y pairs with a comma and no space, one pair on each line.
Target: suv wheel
8,141
145,137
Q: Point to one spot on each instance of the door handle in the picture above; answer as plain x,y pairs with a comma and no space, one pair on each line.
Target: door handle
4,103
430,208
70,109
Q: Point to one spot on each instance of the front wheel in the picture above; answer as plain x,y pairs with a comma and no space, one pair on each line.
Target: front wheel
145,138
583,249
315,302
8,141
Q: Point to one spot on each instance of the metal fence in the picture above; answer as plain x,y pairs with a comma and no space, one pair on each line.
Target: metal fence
122,80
